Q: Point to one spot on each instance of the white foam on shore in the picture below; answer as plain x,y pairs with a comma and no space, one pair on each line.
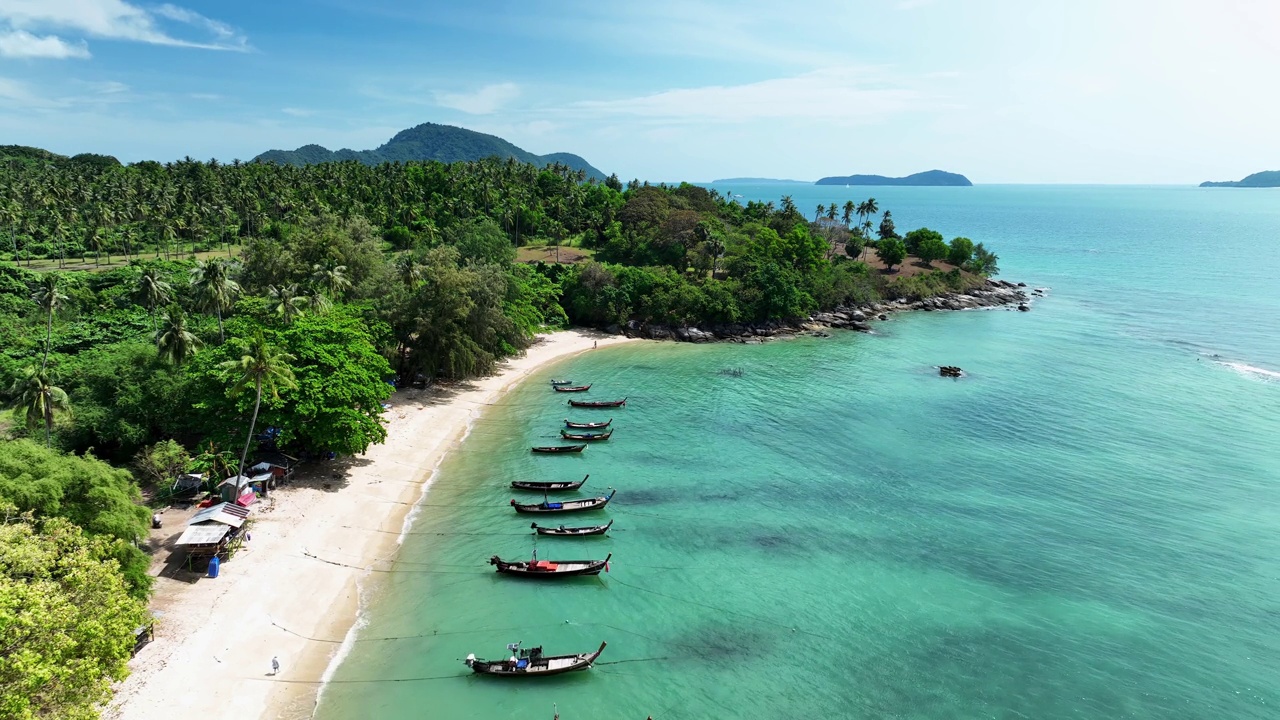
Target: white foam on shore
1251,371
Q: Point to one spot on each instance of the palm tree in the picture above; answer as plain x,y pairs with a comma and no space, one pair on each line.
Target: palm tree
818,213
36,397
49,298
849,210
215,290
831,212
153,292
174,342
409,271
266,370
289,302
331,276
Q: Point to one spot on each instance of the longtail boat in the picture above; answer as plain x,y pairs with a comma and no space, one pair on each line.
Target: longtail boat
571,388
598,403
548,506
532,663
550,569
585,437
545,485
561,382
558,448
563,531
587,425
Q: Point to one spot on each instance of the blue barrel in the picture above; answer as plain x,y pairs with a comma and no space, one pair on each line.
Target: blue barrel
214,564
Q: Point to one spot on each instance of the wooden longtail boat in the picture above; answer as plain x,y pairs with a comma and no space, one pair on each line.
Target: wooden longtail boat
548,484
548,506
561,382
598,403
585,437
587,425
563,531
550,569
571,388
532,663
558,448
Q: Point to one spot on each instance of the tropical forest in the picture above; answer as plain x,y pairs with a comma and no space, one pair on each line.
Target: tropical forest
156,318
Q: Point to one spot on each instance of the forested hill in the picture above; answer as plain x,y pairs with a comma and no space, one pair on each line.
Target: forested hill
920,179
1264,179
429,141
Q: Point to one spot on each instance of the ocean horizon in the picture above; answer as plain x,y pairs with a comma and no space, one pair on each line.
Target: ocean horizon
1084,526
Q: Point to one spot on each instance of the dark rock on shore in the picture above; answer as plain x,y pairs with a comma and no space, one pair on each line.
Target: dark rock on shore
996,293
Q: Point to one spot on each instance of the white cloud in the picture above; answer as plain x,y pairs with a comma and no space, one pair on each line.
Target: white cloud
118,20
17,94
22,44
298,112
837,95
484,101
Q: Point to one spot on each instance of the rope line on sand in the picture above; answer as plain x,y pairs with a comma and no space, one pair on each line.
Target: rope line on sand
380,570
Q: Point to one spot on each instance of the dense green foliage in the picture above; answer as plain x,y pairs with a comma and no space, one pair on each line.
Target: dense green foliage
66,619
90,493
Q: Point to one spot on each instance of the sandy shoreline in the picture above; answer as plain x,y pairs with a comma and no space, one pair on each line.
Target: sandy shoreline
215,637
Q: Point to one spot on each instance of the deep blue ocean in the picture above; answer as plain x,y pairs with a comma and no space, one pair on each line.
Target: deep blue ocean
1087,526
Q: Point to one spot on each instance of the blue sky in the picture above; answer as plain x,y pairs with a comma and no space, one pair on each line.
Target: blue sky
1108,91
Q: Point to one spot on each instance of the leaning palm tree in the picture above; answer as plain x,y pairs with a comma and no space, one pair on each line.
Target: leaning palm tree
288,301
266,370
49,298
214,288
153,292
174,342
35,396
849,210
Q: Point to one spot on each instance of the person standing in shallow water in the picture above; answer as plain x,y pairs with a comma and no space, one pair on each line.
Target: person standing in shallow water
595,344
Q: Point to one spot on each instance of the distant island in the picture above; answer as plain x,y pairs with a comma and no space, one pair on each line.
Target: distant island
760,181
936,178
1264,179
429,141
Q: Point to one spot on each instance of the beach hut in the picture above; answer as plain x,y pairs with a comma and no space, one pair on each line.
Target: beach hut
187,487
240,489
210,531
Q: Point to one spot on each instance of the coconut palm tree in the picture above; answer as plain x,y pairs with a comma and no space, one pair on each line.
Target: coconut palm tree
214,288
36,397
152,292
174,342
331,276
849,210
818,213
49,298
409,270
264,369
288,301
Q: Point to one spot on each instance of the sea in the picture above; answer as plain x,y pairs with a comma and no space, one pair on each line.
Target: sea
1086,525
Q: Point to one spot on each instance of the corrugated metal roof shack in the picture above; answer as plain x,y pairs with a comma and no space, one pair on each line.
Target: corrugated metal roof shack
214,531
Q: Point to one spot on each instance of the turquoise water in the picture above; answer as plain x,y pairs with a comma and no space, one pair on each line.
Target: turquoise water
1085,527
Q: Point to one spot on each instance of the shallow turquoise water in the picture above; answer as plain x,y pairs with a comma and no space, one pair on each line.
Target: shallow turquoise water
1085,527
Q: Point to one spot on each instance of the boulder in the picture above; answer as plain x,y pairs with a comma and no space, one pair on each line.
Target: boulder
1024,307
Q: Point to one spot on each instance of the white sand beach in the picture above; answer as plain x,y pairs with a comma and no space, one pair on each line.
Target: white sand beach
215,637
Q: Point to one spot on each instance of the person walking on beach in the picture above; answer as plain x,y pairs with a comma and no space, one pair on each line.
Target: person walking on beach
275,665
595,344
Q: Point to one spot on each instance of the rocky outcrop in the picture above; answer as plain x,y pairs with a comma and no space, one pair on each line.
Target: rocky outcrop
996,293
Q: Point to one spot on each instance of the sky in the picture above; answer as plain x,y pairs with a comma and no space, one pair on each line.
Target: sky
1003,91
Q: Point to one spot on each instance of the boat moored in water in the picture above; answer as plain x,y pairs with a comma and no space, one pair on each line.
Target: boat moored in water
561,382
551,506
545,485
532,663
558,448
585,437
550,569
587,425
571,388
563,531
598,403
